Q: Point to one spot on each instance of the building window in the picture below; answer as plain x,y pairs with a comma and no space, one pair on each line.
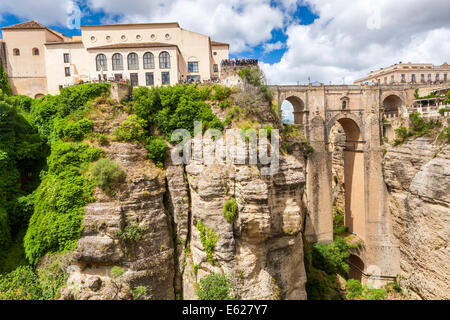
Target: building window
101,62
437,76
422,78
16,52
117,61
164,60
165,77
133,61
429,77
193,78
413,78
134,79
66,58
67,71
149,61
215,53
35,51
392,79
403,78
192,67
216,68
149,79
445,77
385,80
118,77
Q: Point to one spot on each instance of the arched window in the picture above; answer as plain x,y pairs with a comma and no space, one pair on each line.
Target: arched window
133,62
117,61
101,62
35,51
164,60
149,61
16,52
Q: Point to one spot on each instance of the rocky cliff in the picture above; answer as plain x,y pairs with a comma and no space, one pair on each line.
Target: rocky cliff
417,175
260,250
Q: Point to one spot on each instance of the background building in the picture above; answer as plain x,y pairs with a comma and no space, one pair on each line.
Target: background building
409,73
40,60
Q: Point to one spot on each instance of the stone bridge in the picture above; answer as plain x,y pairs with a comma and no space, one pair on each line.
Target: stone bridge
360,111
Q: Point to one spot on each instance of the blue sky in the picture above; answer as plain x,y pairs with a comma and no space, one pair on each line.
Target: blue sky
302,15
325,40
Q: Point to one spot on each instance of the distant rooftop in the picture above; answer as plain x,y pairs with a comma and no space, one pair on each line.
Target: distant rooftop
217,43
34,25
173,24
133,45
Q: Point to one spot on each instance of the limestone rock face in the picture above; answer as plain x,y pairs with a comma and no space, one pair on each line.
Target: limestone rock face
262,251
417,174
138,204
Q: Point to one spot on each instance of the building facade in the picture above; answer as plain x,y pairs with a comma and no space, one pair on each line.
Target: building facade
409,73
40,60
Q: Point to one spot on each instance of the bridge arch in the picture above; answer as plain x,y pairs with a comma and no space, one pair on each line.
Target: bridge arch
293,108
392,104
353,167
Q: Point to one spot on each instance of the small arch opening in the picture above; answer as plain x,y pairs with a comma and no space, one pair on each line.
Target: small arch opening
356,267
392,105
293,111
16,52
35,51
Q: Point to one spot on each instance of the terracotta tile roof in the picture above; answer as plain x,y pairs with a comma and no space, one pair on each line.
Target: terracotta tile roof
216,43
33,25
133,45
174,24
63,42
26,25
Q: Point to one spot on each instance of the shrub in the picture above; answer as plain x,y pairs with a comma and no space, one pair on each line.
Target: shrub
5,235
116,272
52,275
443,110
4,83
139,292
230,210
208,239
354,289
157,147
445,135
132,129
174,107
375,294
73,98
215,287
20,284
330,257
131,233
224,104
107,174
56,223
74,130
220,92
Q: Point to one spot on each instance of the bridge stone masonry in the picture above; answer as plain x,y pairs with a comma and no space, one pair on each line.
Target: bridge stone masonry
360,111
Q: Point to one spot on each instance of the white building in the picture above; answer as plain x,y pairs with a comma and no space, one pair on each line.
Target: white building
144,54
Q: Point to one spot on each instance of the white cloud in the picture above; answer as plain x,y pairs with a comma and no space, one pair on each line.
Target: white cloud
47,12
269,47
351,38
243,24
348,39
